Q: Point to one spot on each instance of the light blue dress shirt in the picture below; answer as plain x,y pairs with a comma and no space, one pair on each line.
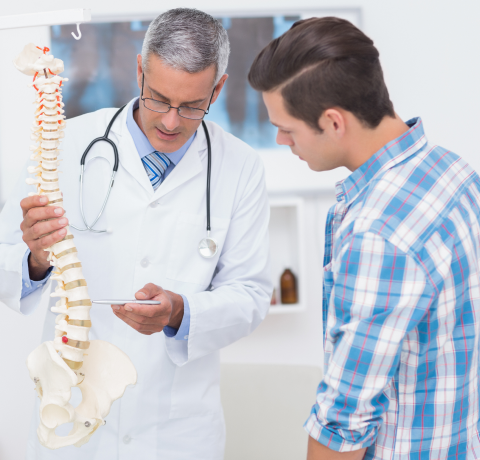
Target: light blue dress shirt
28,285
143,148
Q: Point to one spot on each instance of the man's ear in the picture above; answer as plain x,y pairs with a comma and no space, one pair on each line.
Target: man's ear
333,121
139,71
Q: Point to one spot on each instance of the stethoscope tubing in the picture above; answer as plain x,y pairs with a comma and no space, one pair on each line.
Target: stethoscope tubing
112,178
115,169
209,173
106,139
90,227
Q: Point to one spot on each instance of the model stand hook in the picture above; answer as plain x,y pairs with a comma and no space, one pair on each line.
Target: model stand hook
79,33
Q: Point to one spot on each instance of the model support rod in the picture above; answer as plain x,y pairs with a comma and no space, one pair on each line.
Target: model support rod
46,18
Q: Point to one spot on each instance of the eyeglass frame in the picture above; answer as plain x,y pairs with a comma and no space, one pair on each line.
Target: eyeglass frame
205,112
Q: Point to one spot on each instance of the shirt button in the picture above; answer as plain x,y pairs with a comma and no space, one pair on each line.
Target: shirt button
145,263
127,439
186,337
154,204
27,285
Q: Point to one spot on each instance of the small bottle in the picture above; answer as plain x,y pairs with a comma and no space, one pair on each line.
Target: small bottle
273,300
288,287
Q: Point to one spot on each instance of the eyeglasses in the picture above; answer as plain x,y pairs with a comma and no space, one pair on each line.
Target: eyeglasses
184,111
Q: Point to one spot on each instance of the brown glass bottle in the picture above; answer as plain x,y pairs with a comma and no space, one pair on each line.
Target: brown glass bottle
288,287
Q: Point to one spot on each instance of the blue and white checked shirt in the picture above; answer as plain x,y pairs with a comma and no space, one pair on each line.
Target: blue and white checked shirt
402,307
144,148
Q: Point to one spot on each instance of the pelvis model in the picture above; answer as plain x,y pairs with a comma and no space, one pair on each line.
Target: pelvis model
98,368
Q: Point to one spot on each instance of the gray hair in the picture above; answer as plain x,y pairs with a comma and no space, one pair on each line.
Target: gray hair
189,40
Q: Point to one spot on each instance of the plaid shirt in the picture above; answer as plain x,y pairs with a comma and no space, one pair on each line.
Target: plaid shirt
402,307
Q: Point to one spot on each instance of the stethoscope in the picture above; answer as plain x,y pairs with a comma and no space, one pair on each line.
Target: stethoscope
207,247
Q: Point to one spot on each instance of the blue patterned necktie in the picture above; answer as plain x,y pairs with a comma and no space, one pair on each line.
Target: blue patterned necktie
155,164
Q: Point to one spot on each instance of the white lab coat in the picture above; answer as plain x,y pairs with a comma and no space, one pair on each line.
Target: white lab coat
174,411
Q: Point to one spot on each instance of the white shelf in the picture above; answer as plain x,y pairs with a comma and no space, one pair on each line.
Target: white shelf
287,248
283,309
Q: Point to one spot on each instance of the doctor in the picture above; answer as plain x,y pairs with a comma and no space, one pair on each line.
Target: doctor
157,216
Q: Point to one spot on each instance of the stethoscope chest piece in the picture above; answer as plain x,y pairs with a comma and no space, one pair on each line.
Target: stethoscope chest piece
208,247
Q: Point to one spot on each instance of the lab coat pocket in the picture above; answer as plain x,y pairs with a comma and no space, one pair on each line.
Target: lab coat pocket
185,262
196,388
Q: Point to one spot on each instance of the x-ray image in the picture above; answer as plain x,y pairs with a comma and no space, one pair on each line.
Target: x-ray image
102,71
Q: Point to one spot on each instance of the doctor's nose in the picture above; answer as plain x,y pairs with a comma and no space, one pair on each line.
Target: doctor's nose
171,120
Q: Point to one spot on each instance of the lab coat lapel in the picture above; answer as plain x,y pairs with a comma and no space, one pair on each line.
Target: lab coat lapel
189,166
130,161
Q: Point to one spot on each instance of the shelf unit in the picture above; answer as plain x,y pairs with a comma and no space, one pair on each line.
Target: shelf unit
46,18
287,248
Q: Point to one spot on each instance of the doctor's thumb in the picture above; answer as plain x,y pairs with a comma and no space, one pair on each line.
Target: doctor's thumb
149,291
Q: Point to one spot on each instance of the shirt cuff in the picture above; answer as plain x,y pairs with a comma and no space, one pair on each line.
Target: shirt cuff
28,286
182,332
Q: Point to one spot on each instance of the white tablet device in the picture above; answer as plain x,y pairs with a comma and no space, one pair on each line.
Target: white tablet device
123,302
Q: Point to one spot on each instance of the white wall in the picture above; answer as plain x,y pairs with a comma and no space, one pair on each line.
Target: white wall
431,61
429,51
16,108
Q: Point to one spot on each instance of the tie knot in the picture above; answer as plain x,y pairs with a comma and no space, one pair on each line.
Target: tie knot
155,165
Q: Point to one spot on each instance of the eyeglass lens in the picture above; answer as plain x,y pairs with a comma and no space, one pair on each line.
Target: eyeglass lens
183,111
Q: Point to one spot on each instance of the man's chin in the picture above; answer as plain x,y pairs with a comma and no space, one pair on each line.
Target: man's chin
321,168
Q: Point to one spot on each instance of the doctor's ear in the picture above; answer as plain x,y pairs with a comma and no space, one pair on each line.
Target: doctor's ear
139,71
218,87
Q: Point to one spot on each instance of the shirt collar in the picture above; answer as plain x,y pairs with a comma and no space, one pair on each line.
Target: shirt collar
142,143
388,156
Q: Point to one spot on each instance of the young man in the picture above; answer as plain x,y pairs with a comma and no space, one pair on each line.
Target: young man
401,281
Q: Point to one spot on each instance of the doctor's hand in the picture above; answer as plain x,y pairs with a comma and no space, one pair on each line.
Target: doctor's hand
148,319
42,226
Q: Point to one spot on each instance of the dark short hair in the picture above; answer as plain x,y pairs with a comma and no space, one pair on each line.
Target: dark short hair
322,63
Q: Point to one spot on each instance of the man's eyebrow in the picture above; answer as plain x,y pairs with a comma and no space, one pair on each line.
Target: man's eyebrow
161,96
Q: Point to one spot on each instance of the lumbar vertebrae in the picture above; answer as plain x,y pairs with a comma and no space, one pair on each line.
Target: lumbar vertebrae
56,366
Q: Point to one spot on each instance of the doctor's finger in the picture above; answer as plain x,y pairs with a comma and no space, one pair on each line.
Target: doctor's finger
146,329
147,311
46,241
149,292
37,214
41,229
32,202
157,323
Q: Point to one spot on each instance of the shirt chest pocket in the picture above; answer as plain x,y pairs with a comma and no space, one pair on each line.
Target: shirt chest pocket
185,262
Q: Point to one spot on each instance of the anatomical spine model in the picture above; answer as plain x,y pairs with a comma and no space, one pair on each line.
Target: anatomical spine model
98,368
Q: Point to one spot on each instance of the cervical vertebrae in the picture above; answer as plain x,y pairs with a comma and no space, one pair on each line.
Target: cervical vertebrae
56,366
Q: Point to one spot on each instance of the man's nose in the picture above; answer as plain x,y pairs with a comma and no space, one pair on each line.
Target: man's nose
283,139
171,119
